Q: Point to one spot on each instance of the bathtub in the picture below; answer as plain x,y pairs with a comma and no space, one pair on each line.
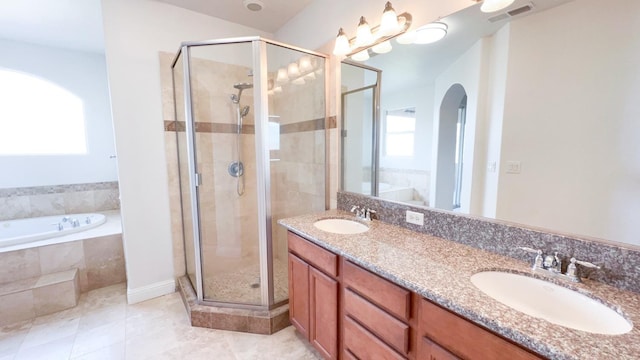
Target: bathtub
23,231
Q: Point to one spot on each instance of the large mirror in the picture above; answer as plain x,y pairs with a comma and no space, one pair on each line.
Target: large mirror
531,117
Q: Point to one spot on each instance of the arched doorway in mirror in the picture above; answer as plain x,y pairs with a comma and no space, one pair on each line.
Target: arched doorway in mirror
450,149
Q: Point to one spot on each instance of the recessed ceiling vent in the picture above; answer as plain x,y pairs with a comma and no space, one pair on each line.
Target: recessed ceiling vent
511,13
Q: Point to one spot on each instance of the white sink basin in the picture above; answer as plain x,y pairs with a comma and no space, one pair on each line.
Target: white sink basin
341,226
551,302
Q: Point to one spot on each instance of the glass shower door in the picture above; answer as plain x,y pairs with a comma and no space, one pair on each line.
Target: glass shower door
222,110
296,133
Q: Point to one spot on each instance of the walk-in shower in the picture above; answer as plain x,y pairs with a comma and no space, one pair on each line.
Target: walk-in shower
251,139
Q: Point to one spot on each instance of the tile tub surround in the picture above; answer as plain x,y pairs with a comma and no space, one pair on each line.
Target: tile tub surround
620,262
97,253
440,270
25,202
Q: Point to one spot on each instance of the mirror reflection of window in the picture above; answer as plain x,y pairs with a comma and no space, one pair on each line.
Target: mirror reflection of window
399,132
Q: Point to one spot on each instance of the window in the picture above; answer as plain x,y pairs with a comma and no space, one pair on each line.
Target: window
38,117
399,130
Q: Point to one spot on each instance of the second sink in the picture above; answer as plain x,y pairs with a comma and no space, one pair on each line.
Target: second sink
551,302
341,226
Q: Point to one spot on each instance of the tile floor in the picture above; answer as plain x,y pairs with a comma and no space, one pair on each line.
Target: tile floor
104,326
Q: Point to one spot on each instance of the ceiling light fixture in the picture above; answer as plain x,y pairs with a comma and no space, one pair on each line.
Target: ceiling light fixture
494,5
253,5
430,33
391,26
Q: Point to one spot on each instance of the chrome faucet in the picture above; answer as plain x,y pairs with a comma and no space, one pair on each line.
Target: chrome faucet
551,265
362,213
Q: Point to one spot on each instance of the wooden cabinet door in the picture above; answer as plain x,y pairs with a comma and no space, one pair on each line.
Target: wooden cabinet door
323,294
299,294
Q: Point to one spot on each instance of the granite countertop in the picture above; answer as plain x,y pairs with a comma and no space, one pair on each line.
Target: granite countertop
440,271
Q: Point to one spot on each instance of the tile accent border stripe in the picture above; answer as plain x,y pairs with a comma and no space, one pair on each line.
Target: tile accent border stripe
56,189
620,262
207,127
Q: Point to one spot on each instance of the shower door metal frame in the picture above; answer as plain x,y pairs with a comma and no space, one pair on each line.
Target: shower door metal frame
375,127
263,174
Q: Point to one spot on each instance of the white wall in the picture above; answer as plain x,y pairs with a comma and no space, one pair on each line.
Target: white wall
466,71
135,31
83,74
571,118
489,139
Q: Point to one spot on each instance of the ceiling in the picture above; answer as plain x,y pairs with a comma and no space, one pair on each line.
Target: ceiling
274,14
77,24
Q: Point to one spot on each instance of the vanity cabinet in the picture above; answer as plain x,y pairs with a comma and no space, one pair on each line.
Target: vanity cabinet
347,312
444,335
313,294
376,315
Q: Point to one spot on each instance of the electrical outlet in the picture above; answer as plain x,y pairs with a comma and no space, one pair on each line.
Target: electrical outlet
415,218
513,167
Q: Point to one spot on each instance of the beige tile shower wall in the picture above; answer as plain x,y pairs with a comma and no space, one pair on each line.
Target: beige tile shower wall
19,203
228,221
298,177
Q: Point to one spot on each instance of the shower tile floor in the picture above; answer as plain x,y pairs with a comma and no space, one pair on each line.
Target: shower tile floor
104,326
242,285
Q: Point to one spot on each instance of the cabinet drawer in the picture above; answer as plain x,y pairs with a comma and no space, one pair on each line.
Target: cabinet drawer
387,295
433,351
364,345
391,330
313,254
464,338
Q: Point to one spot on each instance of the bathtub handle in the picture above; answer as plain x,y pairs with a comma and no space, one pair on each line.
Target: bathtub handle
59,225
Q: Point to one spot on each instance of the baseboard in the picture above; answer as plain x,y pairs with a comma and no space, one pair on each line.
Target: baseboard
150,291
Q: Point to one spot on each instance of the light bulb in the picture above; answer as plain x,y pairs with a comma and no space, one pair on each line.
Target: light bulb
382,48
389,21
361,56
430,33
407,38
342,44
363,34
304,64
293,71
282,76
494,5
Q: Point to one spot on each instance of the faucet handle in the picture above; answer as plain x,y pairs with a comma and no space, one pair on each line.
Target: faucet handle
538,262
572,270
530,250
585,263
368,213
354,208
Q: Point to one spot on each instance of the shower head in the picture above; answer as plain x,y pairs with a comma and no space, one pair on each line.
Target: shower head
244,111
240,86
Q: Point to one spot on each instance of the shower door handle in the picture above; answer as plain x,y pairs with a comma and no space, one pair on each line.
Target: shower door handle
198,179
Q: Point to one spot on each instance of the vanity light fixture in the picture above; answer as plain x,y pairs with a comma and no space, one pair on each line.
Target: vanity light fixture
377,38
494,5
293,71
282,76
